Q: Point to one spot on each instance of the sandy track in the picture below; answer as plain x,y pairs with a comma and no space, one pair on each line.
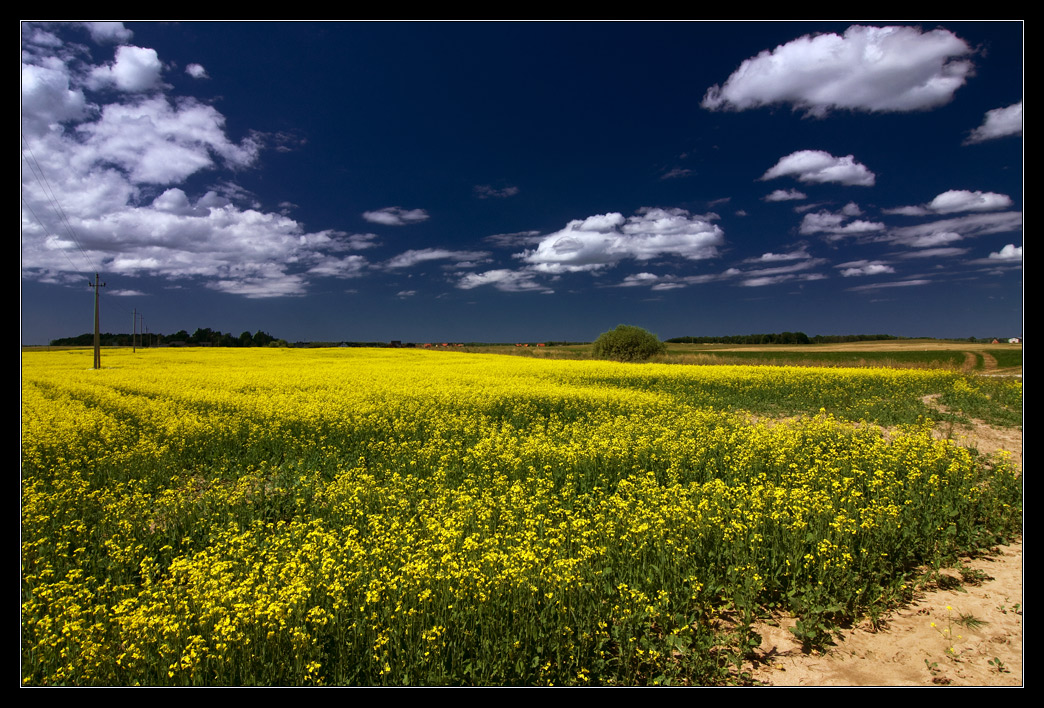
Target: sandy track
924,644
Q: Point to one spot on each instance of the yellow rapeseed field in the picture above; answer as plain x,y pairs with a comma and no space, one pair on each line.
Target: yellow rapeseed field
372,517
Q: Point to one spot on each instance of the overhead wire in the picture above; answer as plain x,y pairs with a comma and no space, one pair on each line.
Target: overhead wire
37,169
48,192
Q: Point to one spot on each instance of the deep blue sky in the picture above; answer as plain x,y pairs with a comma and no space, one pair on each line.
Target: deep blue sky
523,181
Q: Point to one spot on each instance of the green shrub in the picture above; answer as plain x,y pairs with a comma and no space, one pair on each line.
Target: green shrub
626,343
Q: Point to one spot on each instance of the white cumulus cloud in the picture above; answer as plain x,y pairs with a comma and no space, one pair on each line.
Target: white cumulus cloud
158,142
1010,252
963,200
826,222
109,32
966,226
196,71
511,281
818,167
934,239
421,255
956,200
105,162
638,279
395,216
784,195
998,123
48,99
135,69
603,240
858,268
776,257
883,69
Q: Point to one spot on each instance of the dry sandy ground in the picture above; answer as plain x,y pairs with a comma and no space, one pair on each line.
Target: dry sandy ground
926,643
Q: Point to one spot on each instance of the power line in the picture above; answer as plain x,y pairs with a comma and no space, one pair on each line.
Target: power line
37,169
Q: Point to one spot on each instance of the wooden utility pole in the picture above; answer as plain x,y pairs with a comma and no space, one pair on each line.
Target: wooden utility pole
97,330
134,331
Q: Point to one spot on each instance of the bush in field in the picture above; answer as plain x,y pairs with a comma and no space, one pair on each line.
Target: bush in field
626,343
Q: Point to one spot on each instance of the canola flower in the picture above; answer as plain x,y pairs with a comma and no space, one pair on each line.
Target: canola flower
397,517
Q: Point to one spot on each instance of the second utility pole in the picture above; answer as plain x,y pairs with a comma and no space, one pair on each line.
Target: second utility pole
97,335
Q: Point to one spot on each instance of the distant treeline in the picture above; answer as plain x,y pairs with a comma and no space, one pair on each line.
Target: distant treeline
201,337
783,338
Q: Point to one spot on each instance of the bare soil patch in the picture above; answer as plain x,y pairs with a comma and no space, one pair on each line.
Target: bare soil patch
987,439
925,643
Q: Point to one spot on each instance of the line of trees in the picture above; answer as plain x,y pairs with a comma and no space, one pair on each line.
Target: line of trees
203,336
783,338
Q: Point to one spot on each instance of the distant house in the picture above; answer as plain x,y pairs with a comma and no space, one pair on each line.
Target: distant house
1015,340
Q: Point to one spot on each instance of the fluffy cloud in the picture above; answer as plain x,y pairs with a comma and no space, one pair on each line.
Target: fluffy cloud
776,257
358,242
962,226
674,282
998,123
48,99
818,167
136,69
177,239
196,71
760,277
157,142
868,69
603,240
396,216
421,255
511,281
1011,252
825,222
639,279
784,195
962,200
333,267
105,162
956,200
934,239
857,268
108,32
907,211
